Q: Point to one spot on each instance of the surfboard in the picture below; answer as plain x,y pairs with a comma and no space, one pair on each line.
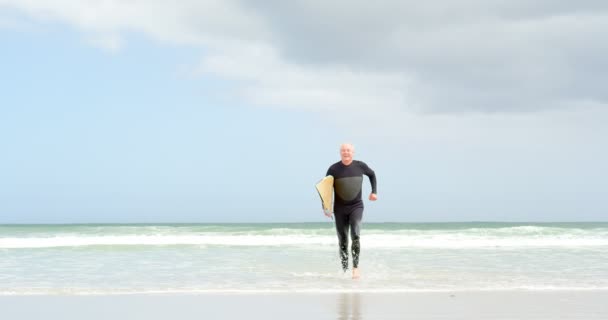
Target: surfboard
325,188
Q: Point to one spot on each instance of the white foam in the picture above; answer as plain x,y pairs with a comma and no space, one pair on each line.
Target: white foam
389,241
202,240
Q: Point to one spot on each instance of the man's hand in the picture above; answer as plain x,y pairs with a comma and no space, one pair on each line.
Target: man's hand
373,197
327,213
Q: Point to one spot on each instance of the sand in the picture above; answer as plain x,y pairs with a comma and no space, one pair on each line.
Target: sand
412,305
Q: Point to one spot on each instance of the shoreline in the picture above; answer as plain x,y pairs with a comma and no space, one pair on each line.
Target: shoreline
186,292
455,222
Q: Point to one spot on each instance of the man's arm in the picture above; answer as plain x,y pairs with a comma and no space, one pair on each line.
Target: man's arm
372,180
372,177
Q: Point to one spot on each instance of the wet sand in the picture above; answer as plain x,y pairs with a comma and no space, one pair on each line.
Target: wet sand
309,306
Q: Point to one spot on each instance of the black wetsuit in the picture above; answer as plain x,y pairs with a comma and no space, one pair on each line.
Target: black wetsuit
348,205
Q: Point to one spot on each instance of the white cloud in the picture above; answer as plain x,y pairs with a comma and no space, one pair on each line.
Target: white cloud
401,56
185,22
266,79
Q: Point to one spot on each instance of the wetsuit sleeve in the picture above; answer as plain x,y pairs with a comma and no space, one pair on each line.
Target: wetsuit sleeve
372,176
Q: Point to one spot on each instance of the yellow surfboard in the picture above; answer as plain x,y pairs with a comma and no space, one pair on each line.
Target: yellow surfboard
325,188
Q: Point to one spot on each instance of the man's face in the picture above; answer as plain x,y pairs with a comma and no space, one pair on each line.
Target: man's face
346,152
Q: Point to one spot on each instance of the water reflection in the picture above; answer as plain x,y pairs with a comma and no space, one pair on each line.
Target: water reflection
349,306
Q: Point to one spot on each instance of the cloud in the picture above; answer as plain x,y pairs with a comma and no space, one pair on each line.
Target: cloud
400,56
206,23
488,56
266,79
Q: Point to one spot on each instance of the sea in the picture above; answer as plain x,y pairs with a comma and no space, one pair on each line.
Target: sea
113,259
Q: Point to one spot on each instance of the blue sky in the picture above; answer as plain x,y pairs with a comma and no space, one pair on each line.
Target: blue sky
227,112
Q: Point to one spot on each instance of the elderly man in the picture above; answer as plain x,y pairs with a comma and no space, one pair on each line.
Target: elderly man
348,205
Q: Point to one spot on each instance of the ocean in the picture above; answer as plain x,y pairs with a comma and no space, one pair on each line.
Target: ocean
109,259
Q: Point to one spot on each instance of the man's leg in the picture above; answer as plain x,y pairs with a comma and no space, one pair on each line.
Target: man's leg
355,231
342,225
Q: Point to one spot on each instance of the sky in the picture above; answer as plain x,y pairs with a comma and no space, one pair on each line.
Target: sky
230,111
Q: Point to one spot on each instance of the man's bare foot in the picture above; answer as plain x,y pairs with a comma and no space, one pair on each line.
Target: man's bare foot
356,273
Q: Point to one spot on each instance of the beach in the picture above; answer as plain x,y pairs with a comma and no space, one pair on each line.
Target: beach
305,306
292,271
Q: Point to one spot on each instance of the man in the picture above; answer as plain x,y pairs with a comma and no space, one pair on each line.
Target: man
348,205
